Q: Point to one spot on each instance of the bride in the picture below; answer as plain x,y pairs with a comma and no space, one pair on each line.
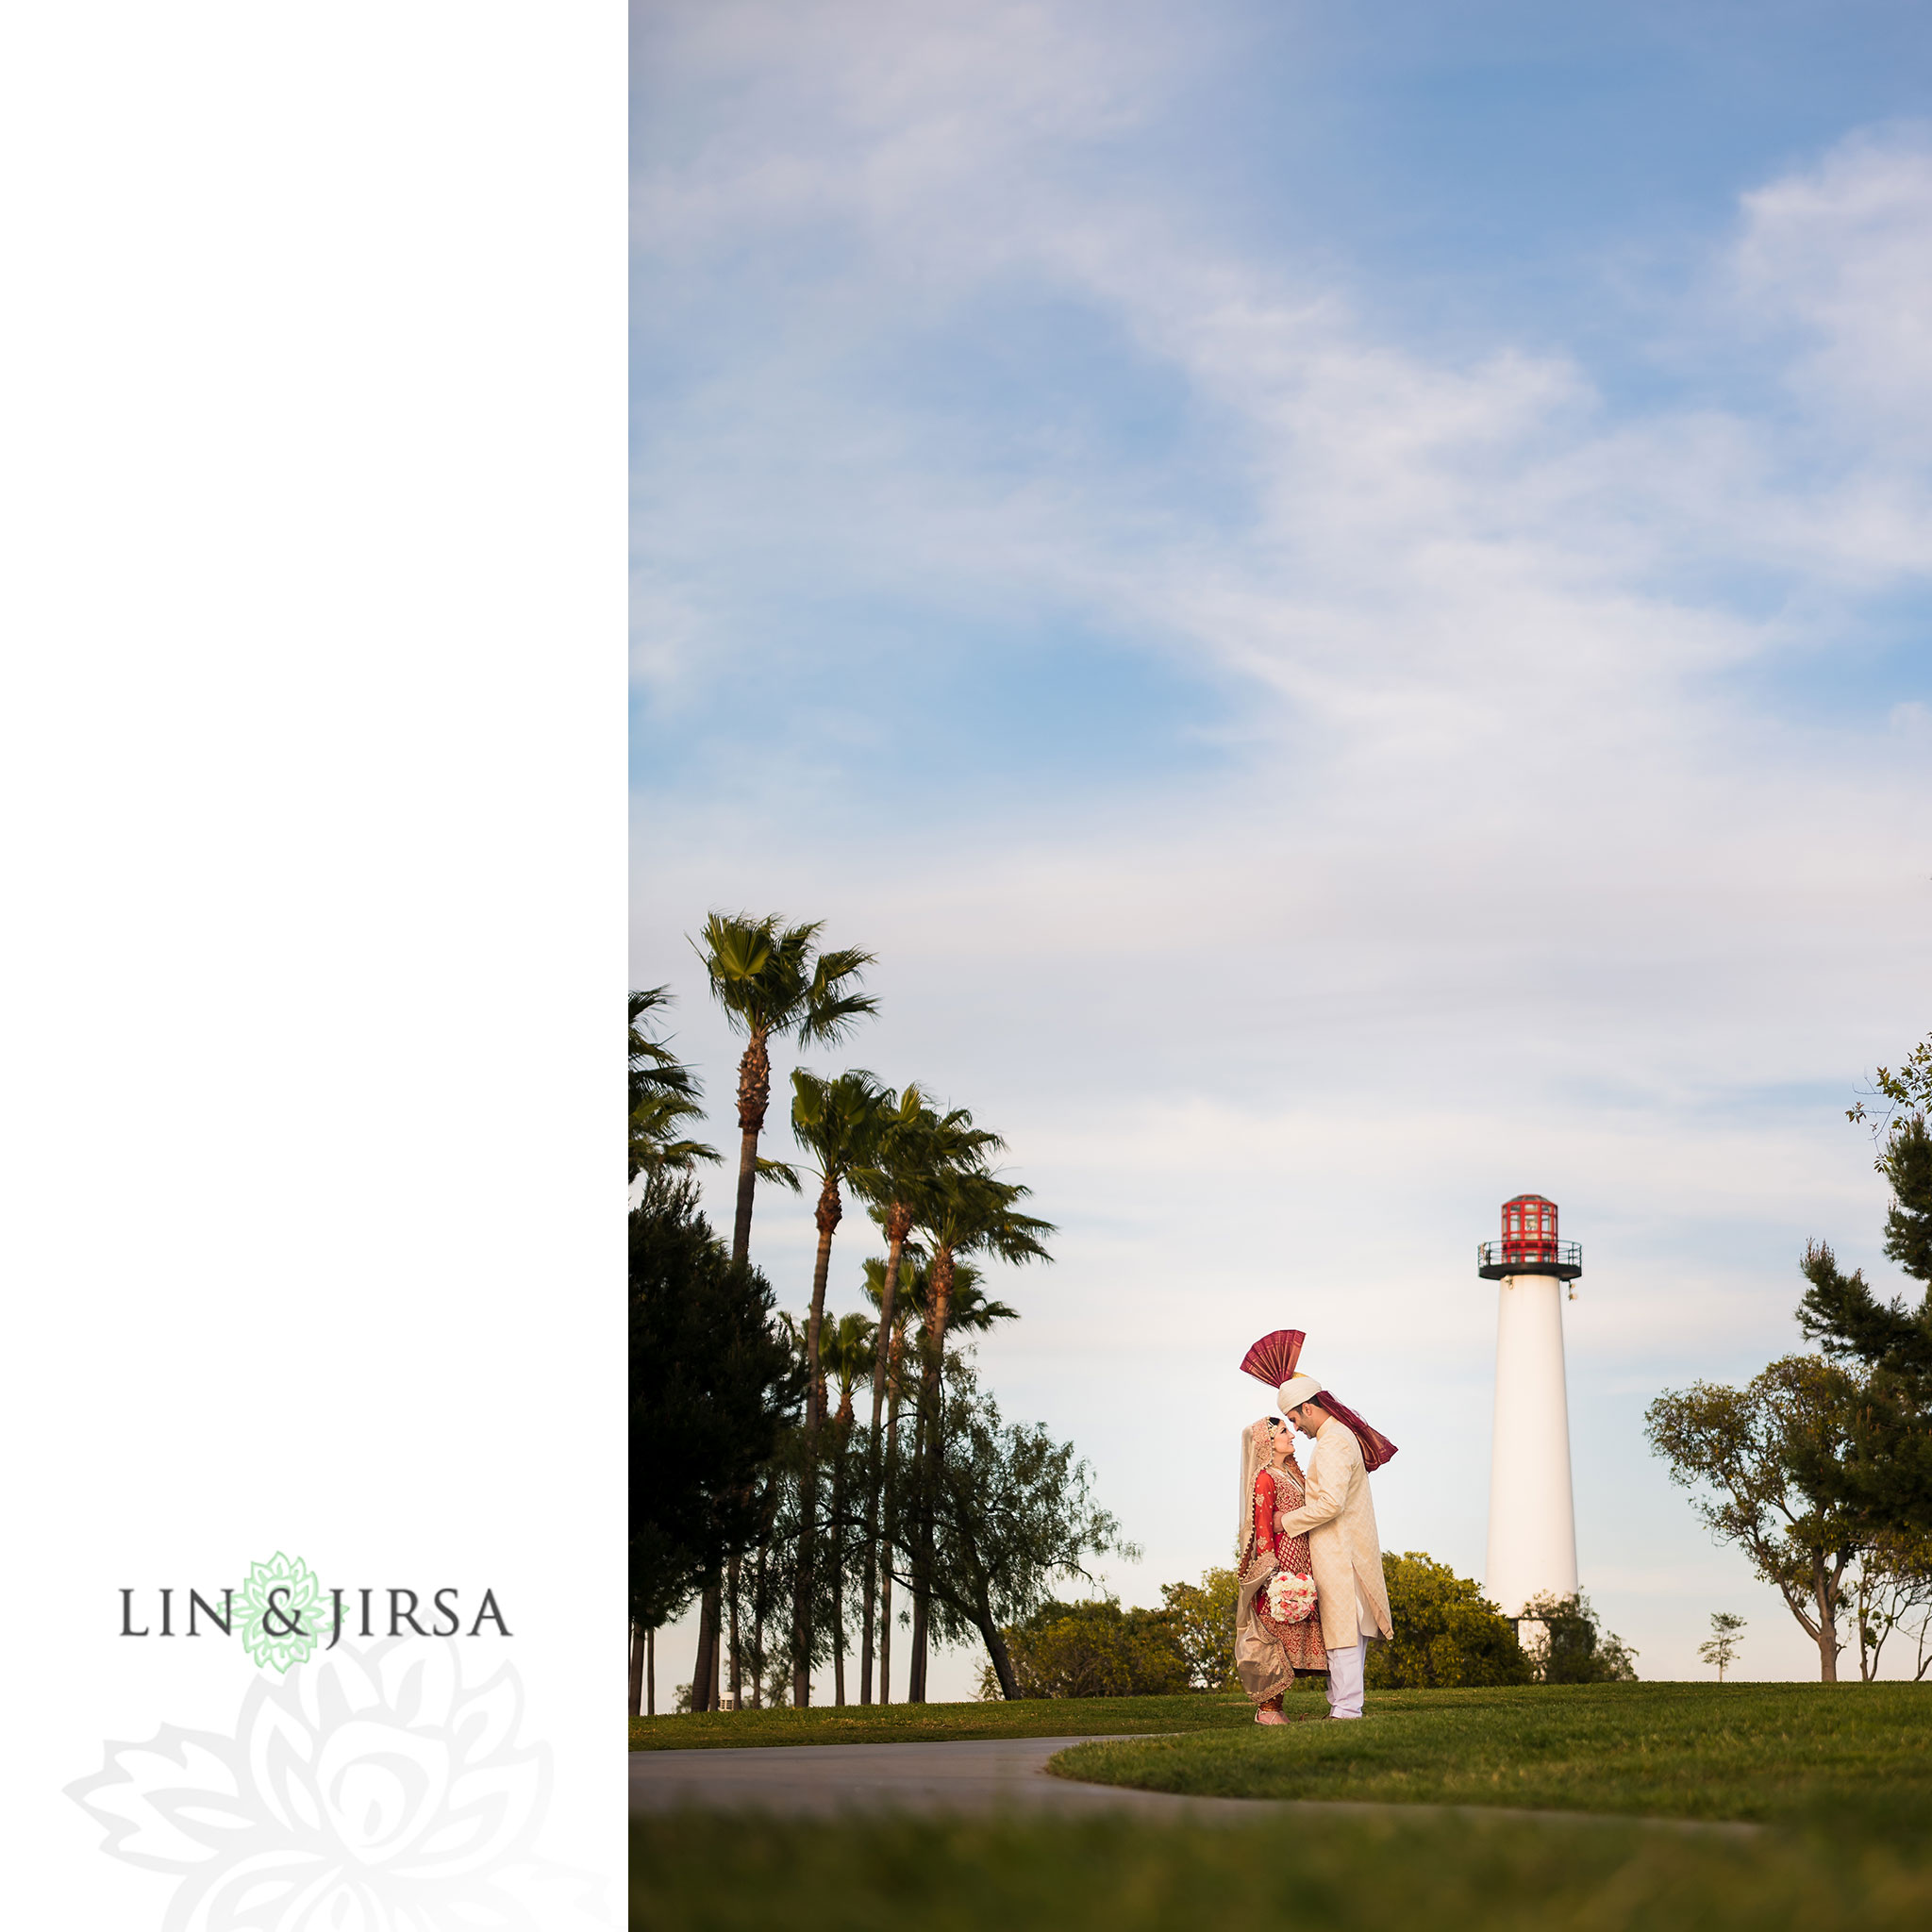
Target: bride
1275,1633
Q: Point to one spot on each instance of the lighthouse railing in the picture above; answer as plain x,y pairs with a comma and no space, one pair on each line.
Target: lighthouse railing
1528,1250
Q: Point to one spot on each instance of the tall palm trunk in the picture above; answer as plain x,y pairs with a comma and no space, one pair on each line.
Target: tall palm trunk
651,1671
829,1209
892,1526
840,1444
737,1658
898,1227
938,1317
915,1669
753,1098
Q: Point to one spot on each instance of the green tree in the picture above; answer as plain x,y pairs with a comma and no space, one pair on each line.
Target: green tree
759,1585
1575,1647
1203,1622
1894,1594
664,1092
1901,1099
1719,1649
1908,1165
837,1123
1092,1649
670,1248
1448,1635
1766,1466
714,1385
1887,1480
1013,1514
772,979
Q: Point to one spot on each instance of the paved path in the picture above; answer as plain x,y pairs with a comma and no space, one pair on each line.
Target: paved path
984,1775
814,1780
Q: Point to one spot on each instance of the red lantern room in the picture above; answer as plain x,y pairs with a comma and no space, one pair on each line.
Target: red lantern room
1529,1243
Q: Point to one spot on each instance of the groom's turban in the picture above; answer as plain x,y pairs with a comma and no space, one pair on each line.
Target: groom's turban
1273,1359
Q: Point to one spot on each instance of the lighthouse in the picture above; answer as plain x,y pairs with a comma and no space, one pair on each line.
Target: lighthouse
1532,1515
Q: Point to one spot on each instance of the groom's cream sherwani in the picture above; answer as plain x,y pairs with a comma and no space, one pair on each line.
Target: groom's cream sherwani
1339,1519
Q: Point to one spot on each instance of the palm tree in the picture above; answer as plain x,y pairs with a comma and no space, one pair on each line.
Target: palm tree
848,1349
971,1312
890,1339
968,1311
962,1211
771,979
915,1146
664,1092
838,1122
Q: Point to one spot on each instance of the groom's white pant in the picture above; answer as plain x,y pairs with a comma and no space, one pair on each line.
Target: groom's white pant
1345,1681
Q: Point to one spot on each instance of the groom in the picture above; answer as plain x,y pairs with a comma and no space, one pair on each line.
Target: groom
1338,1518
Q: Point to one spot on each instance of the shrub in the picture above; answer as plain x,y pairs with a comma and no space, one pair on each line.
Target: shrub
1575,1650
1095,1650
1447,1632
1204,1625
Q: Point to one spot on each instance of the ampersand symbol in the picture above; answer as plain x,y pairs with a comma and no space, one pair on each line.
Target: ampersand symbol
291,1626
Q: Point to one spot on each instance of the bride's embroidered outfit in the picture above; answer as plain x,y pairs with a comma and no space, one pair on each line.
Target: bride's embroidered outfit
1268,1652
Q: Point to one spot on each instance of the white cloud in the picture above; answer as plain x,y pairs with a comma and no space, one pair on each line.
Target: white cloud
1841,252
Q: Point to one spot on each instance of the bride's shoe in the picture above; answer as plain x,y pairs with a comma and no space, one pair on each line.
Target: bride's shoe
1269,1717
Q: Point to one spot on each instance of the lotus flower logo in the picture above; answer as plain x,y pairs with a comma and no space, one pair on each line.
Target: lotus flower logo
371,1791
280,1609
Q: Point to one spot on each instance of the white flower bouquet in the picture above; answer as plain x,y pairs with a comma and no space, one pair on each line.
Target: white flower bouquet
1291,1598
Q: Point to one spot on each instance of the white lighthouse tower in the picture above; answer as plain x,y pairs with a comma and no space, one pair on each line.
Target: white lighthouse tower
1532,1514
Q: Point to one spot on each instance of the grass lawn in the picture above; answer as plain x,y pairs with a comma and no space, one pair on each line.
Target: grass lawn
911,1723
716,1875
1842,1776
1855,1753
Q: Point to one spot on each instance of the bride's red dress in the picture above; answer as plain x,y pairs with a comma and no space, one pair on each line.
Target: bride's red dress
1276,1492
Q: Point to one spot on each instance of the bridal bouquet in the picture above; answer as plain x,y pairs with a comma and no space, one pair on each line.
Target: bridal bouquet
1291,1598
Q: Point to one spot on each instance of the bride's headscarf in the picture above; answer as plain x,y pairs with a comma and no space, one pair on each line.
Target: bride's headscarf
1252,1459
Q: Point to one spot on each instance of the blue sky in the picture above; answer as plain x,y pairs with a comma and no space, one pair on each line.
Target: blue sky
1342,596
